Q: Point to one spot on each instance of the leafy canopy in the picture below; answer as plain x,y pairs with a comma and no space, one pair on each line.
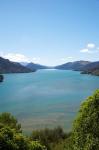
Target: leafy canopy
7,119
86,125
11,137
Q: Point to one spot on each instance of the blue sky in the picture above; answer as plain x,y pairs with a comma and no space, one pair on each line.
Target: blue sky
49,32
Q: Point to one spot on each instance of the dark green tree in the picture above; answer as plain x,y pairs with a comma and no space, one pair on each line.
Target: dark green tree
7,119
10,140
1,78
7,139
35,145
49,137
11,137
86,126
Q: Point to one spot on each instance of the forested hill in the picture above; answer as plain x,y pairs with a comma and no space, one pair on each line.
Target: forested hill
91,68
76,65
85,67
6,66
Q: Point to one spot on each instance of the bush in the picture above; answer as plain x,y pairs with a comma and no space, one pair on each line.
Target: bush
86,125
7,119
49,137
35,145
1,78
11,137
84,136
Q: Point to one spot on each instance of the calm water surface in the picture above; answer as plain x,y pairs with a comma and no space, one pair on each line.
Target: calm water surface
46,98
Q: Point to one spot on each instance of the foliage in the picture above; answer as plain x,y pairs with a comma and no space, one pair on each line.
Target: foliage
8,120
86,125
11,138
84,136
49,137
65,144
35,145
1,78
6,136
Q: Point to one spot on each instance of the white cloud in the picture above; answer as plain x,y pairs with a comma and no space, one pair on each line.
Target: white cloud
16,57
90,48
91,45
35,60
89,51
84,50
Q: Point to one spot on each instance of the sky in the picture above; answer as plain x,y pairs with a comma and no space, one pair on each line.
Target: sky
49,32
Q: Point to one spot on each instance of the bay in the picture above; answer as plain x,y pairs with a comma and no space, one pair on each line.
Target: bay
46,98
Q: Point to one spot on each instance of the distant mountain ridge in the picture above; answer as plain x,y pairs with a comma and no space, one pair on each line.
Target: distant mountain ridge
24,63
91,68
6,66
85,67
76,65
36,66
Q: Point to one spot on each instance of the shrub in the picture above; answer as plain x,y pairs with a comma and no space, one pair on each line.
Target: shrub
11,137
86,125
7,119
49,137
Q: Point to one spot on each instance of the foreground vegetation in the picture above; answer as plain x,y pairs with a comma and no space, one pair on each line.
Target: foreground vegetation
11,137
85,132
84,135
1,78
92,72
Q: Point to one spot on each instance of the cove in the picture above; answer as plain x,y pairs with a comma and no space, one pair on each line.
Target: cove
46,98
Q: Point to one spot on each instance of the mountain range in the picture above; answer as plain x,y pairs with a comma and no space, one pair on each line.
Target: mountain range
91,68
77,65
85,67
33,66
6,66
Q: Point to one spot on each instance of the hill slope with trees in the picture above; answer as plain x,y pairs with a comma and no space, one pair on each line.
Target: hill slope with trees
6,66
85,67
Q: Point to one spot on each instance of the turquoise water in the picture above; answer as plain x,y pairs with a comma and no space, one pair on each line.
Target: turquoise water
46,98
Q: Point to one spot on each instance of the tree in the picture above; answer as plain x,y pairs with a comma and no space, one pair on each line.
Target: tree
11,137
7,119
35,145
10,140
86,126
49,137
1,78
7,139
